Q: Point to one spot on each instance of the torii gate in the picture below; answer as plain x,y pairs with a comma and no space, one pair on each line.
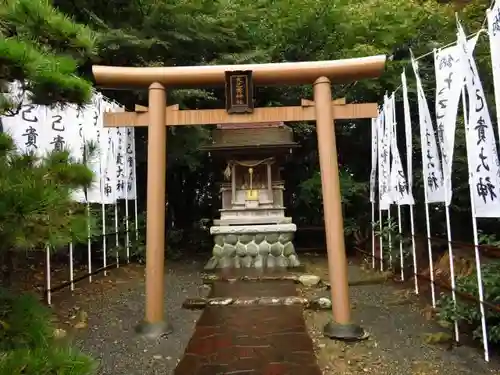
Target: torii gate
322,110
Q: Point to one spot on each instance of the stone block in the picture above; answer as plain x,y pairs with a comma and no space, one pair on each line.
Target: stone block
271,261
272,238
245,238
288,249
246,262
231,239
286,237
241,250
219,240
276,249
259,237
218,251
281,261
264,248
252,249
229,250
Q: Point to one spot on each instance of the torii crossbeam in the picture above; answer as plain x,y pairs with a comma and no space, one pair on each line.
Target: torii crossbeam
322,110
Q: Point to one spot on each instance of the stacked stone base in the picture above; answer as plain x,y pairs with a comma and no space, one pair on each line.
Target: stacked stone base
253,246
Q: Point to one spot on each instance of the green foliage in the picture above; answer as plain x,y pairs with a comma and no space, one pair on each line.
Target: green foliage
36,207
43,48
24,322
27,342
391,239
468,312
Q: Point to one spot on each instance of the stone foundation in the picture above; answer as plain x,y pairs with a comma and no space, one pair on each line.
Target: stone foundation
253,246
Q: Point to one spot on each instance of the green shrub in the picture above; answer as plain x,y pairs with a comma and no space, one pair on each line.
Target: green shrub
49,360
24,322
27,342
468,312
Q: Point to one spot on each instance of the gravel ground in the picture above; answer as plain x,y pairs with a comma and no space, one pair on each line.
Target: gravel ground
398,326
102,316
102,320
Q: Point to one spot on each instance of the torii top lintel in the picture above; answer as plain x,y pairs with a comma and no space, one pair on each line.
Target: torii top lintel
338,71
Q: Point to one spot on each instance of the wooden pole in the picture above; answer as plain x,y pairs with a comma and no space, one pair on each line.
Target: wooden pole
154,324
341,327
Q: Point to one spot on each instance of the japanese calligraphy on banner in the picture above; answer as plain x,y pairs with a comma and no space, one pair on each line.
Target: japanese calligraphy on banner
493,16
130,161
26,128
385,155
79,194
449,83
408,135
93,120
120,139
108,145
399,187
41,129
482,157
382,167
431,164
63,133
373,173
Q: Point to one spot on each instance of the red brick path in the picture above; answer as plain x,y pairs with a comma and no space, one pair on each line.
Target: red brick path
250,340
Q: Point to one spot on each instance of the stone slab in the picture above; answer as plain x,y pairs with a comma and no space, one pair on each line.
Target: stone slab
278,288
257,220
253,229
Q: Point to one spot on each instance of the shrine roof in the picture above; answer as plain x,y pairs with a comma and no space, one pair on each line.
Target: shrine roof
251,135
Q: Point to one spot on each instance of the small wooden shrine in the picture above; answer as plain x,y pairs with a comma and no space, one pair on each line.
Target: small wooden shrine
252,230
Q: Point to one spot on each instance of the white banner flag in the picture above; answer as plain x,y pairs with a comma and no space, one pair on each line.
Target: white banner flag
449,82
431,163
79,194
109,167
399,187
120,139
384,156
93,133
482,157
373,173
408,135
493,16
130,161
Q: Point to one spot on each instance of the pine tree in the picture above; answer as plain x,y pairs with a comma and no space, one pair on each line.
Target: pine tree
41,49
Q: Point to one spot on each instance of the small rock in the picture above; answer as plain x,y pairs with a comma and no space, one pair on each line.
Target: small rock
220,301
59,333
321,303
80,325
309,280
157,356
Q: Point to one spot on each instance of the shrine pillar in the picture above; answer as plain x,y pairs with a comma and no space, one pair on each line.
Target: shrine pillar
341,327
154,324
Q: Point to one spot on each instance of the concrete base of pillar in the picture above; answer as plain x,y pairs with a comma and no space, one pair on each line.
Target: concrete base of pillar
253,246
153,331
344,332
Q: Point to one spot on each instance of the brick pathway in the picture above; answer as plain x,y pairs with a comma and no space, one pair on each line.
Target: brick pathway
250,340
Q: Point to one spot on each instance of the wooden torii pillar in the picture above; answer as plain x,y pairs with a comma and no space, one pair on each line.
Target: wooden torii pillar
322,110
